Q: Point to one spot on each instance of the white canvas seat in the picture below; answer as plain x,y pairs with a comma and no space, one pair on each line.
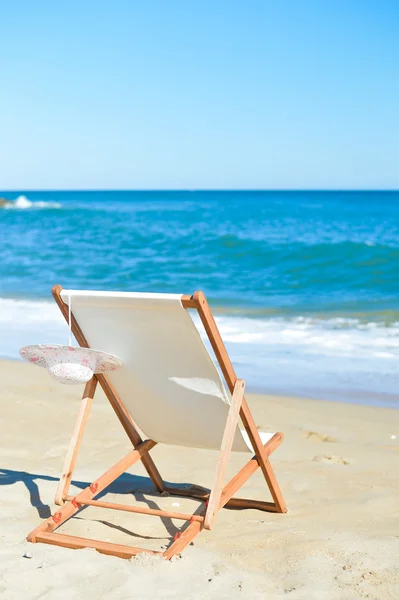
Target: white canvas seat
169,383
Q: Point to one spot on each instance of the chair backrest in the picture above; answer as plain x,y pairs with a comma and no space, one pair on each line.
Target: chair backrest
169,382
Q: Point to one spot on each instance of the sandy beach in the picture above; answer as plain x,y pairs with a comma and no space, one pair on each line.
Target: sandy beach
337,467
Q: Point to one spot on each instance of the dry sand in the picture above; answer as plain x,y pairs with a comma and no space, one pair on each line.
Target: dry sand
338,469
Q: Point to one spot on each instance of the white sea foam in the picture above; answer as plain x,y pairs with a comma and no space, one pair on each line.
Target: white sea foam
23,203
335,337
338,358
301,355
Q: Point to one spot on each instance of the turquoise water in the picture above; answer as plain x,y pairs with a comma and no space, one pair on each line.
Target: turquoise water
305,284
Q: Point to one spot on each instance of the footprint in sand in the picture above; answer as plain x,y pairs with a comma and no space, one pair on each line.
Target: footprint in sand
318,437
332,460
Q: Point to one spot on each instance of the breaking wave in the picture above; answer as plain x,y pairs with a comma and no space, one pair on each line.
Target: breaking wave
23,203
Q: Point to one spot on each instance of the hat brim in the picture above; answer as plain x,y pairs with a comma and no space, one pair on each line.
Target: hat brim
38,353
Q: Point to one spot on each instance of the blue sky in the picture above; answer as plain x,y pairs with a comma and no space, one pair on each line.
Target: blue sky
199,94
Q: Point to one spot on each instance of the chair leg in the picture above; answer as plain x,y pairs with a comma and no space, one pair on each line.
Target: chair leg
72,454
229,374
227,497
262,456
225,450
273,485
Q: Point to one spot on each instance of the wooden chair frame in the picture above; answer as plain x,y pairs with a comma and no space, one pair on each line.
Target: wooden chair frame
212,502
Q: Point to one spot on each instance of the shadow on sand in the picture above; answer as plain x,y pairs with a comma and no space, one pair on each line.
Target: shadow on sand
139,487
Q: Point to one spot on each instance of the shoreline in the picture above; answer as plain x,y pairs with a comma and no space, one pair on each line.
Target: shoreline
345,397
351,397
336,359
336,468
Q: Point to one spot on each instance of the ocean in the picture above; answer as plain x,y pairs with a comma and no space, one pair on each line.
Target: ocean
304,285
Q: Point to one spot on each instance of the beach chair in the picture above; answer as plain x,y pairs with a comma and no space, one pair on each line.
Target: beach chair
170,386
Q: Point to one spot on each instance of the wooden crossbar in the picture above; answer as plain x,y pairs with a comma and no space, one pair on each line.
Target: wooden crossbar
77,543
142,510
232,503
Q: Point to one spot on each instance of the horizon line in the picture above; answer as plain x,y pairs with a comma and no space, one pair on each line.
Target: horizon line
194,190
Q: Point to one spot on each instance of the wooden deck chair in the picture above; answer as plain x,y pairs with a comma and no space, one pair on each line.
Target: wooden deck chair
172,389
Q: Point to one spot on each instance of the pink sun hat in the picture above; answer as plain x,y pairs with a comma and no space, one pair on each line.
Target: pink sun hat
69,364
